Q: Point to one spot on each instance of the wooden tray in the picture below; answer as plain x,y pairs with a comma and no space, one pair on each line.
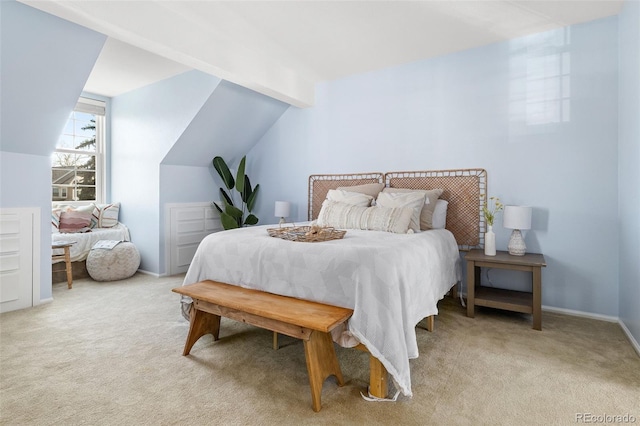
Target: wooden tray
304,233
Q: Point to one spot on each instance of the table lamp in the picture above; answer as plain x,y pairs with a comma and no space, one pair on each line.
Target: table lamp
283,209
516,218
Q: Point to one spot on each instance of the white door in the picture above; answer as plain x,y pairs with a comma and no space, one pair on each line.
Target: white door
16,258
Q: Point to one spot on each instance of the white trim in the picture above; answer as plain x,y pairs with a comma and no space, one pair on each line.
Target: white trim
37,247
632,339
91,106
583,314
47,300
153,274
608,318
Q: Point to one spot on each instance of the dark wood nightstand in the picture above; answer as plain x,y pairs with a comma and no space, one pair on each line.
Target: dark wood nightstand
517,301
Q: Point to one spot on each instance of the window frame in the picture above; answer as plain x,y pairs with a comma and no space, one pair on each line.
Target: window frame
97,108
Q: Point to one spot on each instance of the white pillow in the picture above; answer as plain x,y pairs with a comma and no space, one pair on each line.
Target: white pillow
426,215
439,218
413,200
108,215
372,189
347,197
346,216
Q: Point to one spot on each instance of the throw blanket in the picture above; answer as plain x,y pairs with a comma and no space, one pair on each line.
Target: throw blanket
85,240
391,281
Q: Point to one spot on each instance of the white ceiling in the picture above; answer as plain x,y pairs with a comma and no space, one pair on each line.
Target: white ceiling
282,48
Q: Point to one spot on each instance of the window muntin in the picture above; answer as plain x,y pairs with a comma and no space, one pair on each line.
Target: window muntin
78,162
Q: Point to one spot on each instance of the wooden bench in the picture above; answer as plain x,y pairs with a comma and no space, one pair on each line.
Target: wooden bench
310,321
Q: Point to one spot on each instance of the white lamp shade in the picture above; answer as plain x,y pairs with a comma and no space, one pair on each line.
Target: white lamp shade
283,209
516,217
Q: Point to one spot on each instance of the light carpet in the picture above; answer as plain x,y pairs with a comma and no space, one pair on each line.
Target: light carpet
111,354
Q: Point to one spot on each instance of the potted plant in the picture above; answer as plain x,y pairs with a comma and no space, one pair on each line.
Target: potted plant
232,213
490,210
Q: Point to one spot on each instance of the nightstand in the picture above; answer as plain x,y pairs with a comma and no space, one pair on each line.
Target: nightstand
510,300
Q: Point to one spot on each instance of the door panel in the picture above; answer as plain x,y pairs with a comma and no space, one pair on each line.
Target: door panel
16,259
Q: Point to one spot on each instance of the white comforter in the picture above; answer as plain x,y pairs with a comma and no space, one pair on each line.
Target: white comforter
391,281
85,240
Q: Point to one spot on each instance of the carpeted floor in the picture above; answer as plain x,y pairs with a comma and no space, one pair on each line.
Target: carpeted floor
110,354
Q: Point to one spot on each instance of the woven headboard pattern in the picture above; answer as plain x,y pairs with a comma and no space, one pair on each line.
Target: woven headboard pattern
464,189
319,185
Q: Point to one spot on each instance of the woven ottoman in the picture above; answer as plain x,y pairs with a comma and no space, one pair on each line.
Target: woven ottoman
119,263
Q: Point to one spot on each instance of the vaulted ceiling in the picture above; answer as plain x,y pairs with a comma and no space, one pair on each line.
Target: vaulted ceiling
282,48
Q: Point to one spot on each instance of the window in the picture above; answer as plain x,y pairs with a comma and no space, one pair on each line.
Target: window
77,164
540,73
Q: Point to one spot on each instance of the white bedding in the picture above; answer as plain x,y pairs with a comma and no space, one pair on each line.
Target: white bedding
85,240
392,281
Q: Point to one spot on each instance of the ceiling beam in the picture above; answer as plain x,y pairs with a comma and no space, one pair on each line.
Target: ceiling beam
160,28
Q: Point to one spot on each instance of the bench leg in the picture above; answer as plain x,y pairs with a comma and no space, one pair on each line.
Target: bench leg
201,323
321,363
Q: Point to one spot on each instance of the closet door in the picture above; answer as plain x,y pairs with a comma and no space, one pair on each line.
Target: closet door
186,226
16,259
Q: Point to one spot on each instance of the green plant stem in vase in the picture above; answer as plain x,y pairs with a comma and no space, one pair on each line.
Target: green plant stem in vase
490,209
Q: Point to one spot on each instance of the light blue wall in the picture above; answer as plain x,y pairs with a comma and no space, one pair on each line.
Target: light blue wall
629,167
145,124
45,62
462,111
229,124
164,137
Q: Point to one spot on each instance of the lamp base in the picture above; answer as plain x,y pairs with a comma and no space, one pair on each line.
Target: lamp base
516,245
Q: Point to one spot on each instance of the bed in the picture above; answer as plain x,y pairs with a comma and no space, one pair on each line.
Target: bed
391,281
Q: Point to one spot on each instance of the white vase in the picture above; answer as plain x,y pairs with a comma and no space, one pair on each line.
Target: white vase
489,242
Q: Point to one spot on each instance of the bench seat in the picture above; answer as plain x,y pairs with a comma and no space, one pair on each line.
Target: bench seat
310,321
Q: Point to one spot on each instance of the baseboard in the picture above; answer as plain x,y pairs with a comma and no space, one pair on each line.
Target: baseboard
582,314
632,340
153,274
43,301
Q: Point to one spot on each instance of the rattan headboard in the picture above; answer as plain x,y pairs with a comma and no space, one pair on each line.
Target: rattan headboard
463,189
319,185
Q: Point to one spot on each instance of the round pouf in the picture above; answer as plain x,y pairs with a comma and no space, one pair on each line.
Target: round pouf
119,263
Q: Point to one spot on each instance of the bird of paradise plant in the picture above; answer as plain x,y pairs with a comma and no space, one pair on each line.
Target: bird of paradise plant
233,216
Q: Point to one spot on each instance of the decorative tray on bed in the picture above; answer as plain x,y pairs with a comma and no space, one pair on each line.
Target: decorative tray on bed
307,234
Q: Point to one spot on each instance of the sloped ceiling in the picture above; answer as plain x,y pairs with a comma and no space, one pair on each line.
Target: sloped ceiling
282,48
229,124
44,66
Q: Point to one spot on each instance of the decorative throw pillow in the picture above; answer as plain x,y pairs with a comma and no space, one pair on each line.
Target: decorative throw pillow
370,189
55,220
431,195
108,215
90,208
413,200
353,198
439,220
347,216
74,221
